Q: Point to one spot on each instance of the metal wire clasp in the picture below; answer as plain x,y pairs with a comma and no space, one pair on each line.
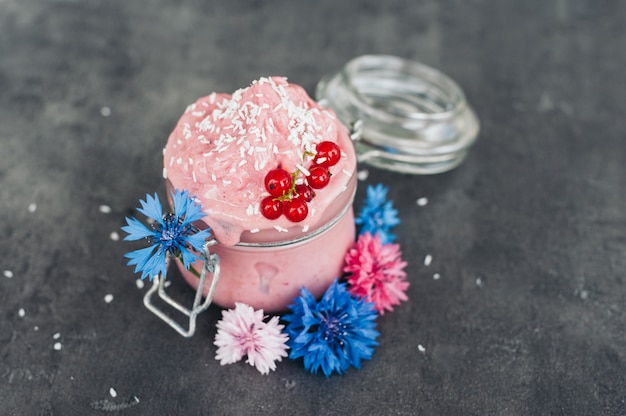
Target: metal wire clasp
211,264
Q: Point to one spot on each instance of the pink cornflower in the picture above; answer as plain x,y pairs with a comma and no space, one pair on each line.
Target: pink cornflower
377,273
242,331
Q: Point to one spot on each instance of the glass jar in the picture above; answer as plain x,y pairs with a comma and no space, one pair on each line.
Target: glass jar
414,118
266,270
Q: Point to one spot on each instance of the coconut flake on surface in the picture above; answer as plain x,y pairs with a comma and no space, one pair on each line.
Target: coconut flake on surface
362,174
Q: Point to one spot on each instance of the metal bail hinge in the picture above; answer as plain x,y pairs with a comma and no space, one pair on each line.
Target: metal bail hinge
211,264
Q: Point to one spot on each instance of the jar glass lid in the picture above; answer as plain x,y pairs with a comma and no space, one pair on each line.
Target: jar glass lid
412,118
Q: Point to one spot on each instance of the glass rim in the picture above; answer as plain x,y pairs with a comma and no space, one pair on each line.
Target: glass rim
293,241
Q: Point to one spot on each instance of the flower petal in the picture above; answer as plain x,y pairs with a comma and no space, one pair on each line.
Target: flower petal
152,208
136,230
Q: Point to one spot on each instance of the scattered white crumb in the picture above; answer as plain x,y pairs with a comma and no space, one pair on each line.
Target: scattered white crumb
436,276
428,259
422,201
35,328
56,336
140,284
114,236
167,283
21,313
362,174
57,346
105,111
164,173
32,207
112,392
108,298
71,377
8,274
479,281
584,294
254,231
105,209
421,348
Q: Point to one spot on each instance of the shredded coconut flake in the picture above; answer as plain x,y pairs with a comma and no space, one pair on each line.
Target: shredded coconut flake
105,209
428,259
108,298
436,276
280,229
112,392
114,236
139,283
8,274
21,313
32,207
421,348
254,231
422,201
57,335
302,169
57,346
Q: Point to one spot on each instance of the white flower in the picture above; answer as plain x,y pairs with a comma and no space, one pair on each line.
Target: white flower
242,332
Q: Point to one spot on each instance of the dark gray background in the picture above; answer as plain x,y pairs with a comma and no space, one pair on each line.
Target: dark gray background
528,234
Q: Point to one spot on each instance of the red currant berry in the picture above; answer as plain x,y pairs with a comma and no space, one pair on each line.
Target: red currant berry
305,192
296,210
277,182
318,177
328,154
271,208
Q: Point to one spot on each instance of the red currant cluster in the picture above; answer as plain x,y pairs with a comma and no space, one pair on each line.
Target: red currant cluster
290,198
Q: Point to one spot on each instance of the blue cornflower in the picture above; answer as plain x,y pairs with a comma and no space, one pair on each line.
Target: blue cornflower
335,333
171,233
378,216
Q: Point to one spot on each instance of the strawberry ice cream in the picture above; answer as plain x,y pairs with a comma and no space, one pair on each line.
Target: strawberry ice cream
222,150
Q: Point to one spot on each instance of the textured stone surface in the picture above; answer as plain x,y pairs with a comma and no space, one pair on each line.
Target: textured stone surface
528,235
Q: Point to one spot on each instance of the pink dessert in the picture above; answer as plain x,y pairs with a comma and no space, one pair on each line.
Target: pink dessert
222,150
